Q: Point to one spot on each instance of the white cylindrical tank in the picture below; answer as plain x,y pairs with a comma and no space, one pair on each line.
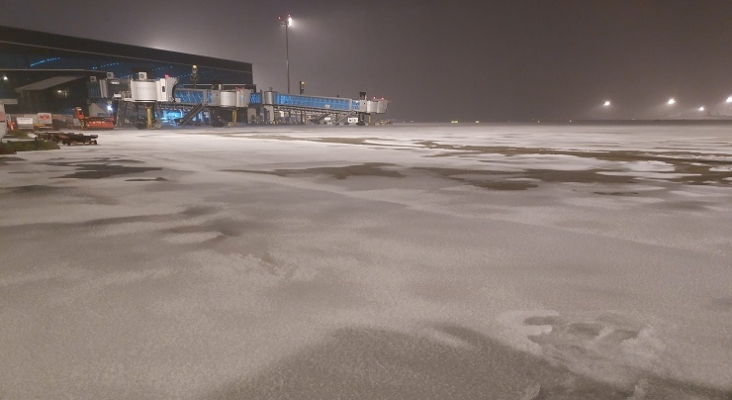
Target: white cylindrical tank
228,98
144,90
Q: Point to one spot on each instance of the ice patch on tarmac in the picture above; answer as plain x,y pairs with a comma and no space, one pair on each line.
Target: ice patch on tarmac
687,194
449,339
519,333
611,202
560,162
191,237
609,347
647,174
651,166
247,267
128,277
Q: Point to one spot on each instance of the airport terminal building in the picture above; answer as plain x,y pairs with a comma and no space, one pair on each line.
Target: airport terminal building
102,85
51,73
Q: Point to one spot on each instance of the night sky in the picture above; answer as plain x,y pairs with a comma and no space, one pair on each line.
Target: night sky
506,60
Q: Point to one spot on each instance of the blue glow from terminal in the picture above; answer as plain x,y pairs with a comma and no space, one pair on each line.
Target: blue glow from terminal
44,61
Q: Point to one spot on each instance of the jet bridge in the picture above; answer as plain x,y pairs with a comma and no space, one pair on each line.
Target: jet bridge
164,100
317,108
274,106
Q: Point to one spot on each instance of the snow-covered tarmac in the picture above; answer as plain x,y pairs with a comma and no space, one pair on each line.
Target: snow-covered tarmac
399,262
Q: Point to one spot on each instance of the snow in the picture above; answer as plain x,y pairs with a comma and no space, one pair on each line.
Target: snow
376,262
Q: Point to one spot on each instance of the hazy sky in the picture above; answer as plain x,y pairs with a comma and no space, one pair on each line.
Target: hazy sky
437,61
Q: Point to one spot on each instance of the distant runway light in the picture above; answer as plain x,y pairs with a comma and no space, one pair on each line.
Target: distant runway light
607,103
701,108
671,101
729,99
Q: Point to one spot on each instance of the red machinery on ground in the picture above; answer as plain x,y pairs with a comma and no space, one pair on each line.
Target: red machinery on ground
93,122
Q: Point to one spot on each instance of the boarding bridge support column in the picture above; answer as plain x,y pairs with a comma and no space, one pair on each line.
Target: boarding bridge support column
361,115
149,109
269,116
252,115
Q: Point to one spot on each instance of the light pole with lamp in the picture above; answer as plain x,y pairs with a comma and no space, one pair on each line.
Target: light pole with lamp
670,103
287,22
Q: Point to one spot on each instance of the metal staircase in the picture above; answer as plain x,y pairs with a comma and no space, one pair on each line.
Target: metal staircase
191,114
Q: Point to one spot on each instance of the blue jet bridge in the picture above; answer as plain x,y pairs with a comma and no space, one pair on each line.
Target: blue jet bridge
317,108
164,100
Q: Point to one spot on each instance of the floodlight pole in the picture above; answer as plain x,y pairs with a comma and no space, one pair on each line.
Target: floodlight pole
286,22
